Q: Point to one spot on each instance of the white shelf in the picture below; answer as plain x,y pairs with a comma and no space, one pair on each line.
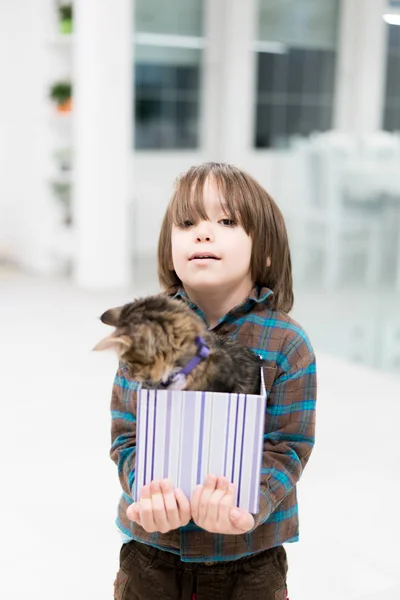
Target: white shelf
60,39
60,119
62,177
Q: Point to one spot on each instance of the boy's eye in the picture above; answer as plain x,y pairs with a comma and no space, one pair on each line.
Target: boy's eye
186,224
227,222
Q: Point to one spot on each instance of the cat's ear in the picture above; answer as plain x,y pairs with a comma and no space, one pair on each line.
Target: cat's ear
114,342
111,316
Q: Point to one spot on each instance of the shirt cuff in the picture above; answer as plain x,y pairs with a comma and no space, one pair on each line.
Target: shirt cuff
266,509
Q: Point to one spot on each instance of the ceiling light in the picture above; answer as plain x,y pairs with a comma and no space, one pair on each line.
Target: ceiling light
392,18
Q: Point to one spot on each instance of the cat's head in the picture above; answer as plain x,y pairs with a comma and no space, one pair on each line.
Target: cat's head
152,336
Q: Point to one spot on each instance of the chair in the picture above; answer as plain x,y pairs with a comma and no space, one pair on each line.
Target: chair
321,224
390,350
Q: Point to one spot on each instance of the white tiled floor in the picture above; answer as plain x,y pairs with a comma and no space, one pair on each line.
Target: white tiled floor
60,489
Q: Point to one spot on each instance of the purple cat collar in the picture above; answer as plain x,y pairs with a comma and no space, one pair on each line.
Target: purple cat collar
177,380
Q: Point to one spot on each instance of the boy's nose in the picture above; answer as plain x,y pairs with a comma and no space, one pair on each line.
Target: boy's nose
203,237
203,232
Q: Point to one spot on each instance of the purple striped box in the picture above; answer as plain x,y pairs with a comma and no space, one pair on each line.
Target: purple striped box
186,435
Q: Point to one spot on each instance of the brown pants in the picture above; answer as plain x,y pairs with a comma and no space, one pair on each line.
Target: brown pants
147,573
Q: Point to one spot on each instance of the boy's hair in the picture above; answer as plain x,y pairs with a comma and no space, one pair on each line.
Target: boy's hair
249,204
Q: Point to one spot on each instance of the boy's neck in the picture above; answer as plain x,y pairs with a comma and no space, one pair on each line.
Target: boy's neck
217,303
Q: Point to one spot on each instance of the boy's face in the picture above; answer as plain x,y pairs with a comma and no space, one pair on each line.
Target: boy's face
227,244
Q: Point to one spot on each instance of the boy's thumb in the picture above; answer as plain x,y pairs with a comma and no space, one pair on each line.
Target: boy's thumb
242,519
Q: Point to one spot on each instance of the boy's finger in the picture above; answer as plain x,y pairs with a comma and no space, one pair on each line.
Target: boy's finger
195,501
213,508
145,493
214,503
225,506
155,487
209,487
170,504
166,486
222,484
132,512
241,519
183,507
146,510
159,512
230,496
210,482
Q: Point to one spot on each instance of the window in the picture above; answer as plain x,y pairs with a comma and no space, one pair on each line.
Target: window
168,57
296,60
392,96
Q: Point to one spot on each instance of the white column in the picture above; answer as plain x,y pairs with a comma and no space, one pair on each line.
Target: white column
103,109
230,78
24,118
360,82
210,130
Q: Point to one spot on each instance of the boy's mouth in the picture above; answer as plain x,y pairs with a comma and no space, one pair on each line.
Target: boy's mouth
204,255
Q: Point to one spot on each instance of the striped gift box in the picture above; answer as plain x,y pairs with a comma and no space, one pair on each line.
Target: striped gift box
185,435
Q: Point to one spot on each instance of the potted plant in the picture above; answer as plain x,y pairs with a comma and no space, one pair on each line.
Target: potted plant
65,12
63,191
61,94
63,158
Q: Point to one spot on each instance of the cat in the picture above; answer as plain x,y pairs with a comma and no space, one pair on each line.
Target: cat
165,345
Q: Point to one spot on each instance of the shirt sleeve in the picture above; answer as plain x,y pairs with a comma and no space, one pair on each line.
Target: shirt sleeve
123,428
289,433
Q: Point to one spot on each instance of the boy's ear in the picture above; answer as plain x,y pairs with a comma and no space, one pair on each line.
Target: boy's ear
114,342
268,261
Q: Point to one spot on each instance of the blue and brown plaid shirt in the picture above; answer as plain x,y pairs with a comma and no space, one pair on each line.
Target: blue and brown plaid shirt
290,379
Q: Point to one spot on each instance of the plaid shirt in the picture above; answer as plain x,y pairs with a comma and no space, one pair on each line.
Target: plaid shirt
290,379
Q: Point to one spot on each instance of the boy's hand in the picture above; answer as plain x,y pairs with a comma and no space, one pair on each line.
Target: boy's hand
161,508
213,508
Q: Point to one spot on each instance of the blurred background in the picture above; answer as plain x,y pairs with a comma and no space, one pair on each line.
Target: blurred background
102,107
103,104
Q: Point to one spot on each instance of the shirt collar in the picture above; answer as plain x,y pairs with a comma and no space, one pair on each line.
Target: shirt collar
258,295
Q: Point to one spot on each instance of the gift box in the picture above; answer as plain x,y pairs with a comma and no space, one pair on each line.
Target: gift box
184,435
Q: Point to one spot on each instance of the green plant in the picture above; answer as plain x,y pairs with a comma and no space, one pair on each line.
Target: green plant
63,158
61,91
63,192
66,12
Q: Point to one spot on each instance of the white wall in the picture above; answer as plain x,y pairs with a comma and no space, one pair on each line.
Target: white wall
26,211
18,108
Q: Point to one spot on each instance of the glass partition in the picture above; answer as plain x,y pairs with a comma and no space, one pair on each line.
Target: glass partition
296,48
168,58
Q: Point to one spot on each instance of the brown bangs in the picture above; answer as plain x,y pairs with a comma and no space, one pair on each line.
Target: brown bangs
187,203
